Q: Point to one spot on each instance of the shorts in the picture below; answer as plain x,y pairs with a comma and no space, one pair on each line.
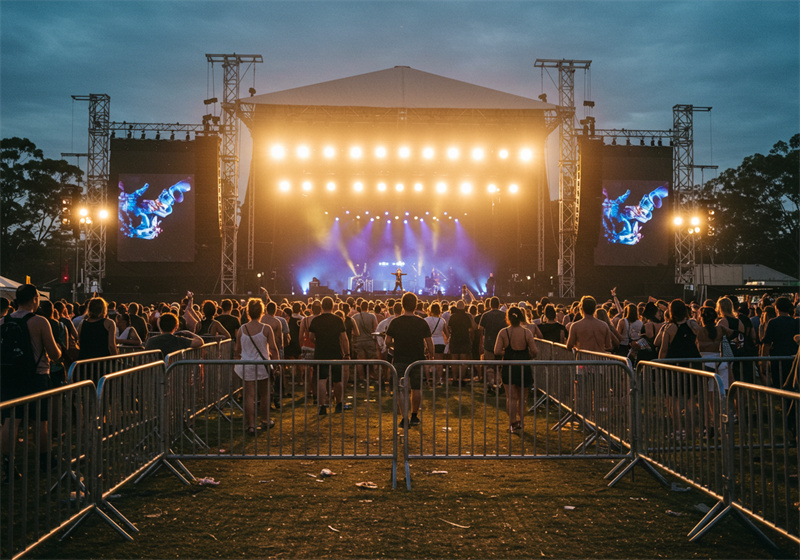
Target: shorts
335,372
306,353
36,384
414,374
366,349
438,348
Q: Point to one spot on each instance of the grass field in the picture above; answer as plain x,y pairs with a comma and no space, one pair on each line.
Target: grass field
477,509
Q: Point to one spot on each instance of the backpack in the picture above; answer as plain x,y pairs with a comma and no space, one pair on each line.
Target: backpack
16,351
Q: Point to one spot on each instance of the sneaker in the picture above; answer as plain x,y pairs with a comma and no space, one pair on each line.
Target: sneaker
414,420
402,424
342,406
323,411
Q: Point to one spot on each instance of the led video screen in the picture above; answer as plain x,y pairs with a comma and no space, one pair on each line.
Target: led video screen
635,223
156,218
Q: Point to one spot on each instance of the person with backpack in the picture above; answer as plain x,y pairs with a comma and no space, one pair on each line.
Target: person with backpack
27,346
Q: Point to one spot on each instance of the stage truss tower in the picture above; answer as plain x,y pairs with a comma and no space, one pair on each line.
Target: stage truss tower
228,188
684,189
569,170
94,263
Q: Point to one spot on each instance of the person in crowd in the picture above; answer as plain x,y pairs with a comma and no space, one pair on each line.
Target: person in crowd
516,343
459,330
550,328
491,323
779,340
80,315
307,347
226,319
602,315
171,339
293,351
438,330
410,337
589,333
126,334
58,372
327,332
96,333
709,338
365,344
255,341
138,321
20,383
629,327
209,326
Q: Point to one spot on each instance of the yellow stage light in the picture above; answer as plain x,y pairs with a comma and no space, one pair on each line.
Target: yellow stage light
356,152
678,221
83,212
380,152
695,221
503,154
452,153
303,151
492,188
418,187
428,153
399,187
284,186
103,214
358,186
404,152
329,152
381,186
466,187
477,154
331,186
441,187
277,151
513,188
307,186
526,154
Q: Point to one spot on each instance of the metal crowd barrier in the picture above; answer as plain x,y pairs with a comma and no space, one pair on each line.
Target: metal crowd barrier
463,416
762,457
48,475
287,423
96,368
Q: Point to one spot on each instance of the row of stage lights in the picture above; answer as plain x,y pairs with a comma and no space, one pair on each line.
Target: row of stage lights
453,153
440,187
404,217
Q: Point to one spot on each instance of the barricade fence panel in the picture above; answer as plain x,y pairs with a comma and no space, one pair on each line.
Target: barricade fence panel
765,455
48,456
130,406
681,423
96,368
279,416
580,411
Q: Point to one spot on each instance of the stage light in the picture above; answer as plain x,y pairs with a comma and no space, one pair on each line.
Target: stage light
678,221
428,153
427,213
386,213
492,188
284,186
503,154
404,152
347,212
526,154
466,187
407,213
456,219
303,151
277,151
358,217
477,154
337,218
103,214
329,152
397,217
513,188
358,186
405,221
418,187
356,152
416,217
452,153
331,186
441,187
399,187
366,212
381,186
372,219
695,221
307,186
380,152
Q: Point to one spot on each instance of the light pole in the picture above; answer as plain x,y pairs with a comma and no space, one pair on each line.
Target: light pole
694,227
88,215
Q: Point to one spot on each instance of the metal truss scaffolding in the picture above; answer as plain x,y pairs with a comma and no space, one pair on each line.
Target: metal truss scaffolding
684,189
569,172
94,265
228,190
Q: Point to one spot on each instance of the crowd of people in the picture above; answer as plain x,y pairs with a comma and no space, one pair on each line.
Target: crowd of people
402,331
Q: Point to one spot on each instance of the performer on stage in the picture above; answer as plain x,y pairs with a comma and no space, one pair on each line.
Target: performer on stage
398,283
490,284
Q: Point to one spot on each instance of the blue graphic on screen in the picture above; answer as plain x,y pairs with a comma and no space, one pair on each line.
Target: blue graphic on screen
141,218
623,223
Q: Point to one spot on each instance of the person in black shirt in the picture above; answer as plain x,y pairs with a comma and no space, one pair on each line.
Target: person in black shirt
779,340
551,329
398,283
411,338
328,333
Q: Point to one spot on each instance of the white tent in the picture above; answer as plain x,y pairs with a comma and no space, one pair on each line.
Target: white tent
8,289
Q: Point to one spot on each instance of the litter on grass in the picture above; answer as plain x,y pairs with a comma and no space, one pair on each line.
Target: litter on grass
334,529
454,524
674,513
569,508
208,481
702,508
438,472
367,484
326,472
